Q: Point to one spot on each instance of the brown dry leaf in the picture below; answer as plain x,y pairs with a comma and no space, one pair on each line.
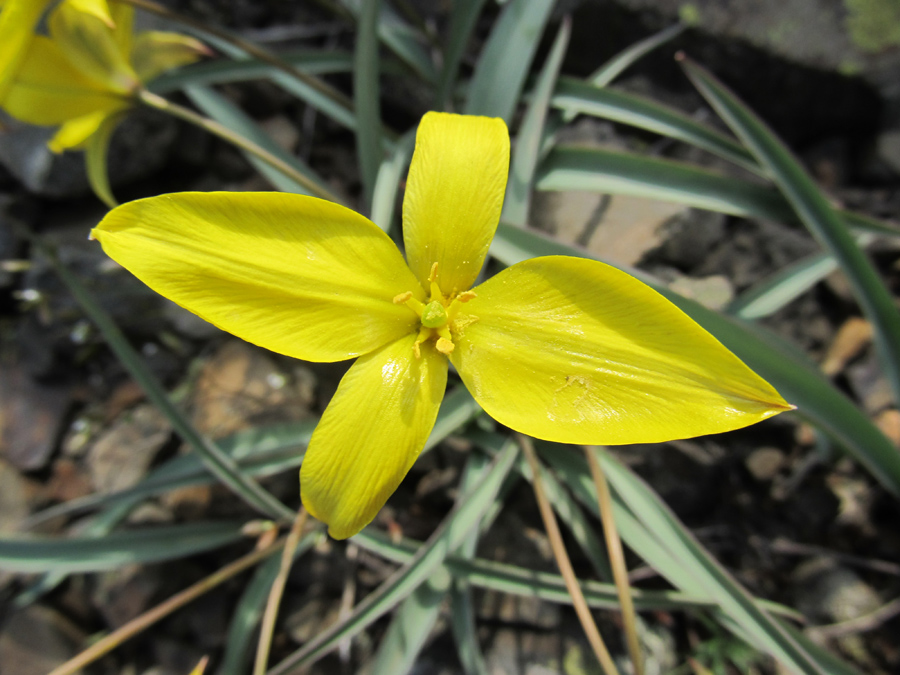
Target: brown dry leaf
854,336
241,386
122,454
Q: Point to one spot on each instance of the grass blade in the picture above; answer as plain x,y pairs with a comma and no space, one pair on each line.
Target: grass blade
224,112
462,608
464,16
614,67
815,212
574,96
227,71
449,535
733,600
398,36
528,142
391,172
606,171
515,580
220,464
90,554
412,624
366,98
506,59
789,283
311,89
818,400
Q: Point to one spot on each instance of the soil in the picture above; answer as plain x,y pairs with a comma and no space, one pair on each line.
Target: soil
777,504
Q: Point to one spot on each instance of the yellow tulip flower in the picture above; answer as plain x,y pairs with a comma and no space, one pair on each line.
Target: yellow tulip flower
563,349
17,21
87,71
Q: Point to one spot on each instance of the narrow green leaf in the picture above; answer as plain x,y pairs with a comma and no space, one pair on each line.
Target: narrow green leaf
245,619
770,295
627,57
226,71
462,608
390,173
98,527
815,212
366,97
506,58
223,111
463,18
90,554
817,399
306,87
95,155
610,172
411,625
261,451
767,633
398,36
449,535
222,466
568,511
607,171
573,96
516,580
528,142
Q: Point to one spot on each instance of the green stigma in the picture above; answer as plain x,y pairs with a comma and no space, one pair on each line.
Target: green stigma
434,315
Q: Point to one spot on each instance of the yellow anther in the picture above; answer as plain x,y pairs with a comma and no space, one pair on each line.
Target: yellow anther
402,298
432,277
444,346
466,296
416,350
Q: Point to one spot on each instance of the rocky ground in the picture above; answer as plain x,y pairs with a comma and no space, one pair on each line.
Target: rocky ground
794,521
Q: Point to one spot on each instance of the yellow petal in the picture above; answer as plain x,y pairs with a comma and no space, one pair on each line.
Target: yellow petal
371,433
99,9
92,46
298,275
575,351
17,21
95,160
156,52
50,91
454,195
72,135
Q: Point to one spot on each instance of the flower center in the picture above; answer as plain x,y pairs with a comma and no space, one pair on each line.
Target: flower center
437,315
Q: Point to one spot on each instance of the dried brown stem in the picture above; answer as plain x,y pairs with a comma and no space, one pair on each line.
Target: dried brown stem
147,619
617,560
277,591
564,564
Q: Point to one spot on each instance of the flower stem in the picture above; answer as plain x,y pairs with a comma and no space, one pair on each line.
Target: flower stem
250,48
616,559
152,100
565,565
276,592
147,619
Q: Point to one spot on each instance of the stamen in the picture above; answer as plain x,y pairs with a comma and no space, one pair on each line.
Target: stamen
432,277
402,298
466,296
444,346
